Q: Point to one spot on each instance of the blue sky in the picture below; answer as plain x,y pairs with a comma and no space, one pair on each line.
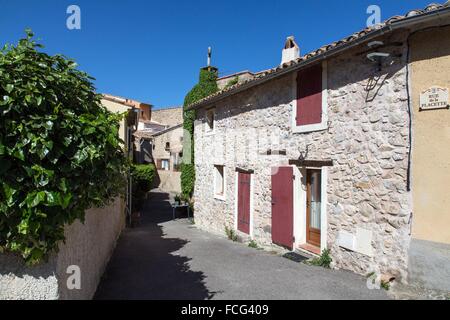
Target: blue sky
151,51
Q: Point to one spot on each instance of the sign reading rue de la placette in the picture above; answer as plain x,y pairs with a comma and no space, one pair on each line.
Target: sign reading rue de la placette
434,98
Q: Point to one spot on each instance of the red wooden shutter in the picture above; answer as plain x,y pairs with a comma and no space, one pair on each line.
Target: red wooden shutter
309,96
283,206
244,202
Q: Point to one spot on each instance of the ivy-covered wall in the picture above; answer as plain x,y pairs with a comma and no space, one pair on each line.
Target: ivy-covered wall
206,86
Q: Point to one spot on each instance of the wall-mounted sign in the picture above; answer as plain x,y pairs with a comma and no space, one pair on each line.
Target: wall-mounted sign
434,98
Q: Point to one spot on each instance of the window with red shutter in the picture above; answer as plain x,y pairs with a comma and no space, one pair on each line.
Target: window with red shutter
311,98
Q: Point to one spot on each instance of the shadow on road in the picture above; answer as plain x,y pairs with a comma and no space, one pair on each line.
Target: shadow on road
144,265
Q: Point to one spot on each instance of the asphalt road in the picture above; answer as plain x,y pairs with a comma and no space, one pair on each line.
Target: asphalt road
166,259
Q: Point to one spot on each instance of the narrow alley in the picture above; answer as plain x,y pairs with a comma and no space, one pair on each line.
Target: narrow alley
164,258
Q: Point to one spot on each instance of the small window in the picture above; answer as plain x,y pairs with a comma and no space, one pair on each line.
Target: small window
167,146
210,120
165,164
219,182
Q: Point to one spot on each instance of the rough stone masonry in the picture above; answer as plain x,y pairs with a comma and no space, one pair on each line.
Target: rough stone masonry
367,139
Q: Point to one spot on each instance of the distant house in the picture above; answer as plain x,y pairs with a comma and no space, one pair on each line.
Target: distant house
159,140
118,104
168,148
344,148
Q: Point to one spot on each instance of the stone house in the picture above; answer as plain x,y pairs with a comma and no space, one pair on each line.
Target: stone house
168,148
329,151
225,81
161,143
162,135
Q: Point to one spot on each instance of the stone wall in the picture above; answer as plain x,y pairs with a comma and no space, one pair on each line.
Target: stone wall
169,181
242,76
175,139
169,116
87,245
367,138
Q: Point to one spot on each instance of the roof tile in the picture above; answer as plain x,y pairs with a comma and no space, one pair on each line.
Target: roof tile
325,48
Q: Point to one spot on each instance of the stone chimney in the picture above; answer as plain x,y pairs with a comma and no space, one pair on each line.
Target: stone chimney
291,50
146,111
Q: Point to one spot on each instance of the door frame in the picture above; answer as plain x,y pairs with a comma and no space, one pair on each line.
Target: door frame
300,206
236,199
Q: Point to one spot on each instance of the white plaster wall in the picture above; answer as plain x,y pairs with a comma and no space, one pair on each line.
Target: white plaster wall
87,245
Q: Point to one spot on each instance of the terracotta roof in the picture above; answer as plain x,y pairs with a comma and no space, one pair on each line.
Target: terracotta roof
333,47
124,101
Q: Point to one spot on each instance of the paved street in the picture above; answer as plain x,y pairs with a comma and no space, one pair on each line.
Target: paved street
165,259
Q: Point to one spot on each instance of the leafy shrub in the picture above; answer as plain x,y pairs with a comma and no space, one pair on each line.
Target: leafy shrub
206,86
143,176
323,261
386,285
253,244
60,151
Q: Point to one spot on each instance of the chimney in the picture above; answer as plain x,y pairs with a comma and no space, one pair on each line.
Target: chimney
291,50
146,111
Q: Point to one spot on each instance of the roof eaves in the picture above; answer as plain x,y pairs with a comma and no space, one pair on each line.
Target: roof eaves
327,51
167,130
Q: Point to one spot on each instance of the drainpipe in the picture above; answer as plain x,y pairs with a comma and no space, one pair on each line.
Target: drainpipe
131,128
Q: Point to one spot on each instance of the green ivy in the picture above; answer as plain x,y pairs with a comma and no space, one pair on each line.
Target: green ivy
206,86
232,82
60,151
323,261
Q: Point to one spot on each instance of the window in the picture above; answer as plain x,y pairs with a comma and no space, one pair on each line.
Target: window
219,182
210,120
310,107
165,164
167,146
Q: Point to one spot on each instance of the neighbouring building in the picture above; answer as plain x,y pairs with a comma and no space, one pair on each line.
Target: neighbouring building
160,142
117,105
143,111
170,116
168,148
429,253
237,77
158,138
344,148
